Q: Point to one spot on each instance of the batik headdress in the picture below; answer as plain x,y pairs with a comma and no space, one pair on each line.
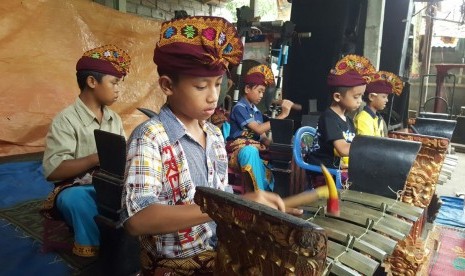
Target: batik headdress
350,71
198,45
259,75
385,82
107,59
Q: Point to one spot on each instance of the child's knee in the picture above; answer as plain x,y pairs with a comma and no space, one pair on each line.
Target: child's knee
75,197
248,150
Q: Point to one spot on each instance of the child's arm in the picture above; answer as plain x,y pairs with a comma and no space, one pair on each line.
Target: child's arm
342,147
162,219
159,219
59,160
147,200
150,213
259,128
264,127
74,167
333,133
264,140
285,109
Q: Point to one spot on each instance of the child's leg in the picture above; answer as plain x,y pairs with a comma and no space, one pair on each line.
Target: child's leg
78,206
250,162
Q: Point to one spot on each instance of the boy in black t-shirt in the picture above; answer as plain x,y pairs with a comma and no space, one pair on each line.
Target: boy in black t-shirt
335,131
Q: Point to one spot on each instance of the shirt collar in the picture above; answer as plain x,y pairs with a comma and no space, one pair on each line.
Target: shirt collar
248,104
174,128
88,116
369,111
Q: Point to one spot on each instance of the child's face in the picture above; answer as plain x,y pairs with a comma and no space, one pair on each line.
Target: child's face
378,101
194,97
352,99
254,94
107,90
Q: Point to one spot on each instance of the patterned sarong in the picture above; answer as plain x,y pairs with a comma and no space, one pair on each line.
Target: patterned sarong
200,264
249,161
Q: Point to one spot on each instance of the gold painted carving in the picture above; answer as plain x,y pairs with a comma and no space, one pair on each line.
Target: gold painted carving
408,258
251,242
422,179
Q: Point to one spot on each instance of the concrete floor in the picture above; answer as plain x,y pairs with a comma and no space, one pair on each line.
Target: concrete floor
453,185
457,181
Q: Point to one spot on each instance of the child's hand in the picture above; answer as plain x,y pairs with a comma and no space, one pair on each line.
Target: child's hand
294,211
266,198
286,104
265,141
286,108
272,200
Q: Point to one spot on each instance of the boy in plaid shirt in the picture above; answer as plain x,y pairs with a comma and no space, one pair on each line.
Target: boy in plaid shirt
177,150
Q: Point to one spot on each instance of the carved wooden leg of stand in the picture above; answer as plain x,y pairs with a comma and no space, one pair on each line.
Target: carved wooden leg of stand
407,259
411,254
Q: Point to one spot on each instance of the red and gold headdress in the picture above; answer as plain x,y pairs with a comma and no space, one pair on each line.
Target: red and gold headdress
385,82
259,75
198,45
107,59
350,71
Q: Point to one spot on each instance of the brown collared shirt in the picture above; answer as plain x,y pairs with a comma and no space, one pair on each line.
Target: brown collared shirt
71,134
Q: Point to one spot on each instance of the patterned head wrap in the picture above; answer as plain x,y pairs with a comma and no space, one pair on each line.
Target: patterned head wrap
107,59
385,82
200,46
259,75
350,71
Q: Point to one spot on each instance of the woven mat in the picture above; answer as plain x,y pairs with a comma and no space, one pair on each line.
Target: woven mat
26,216
447,249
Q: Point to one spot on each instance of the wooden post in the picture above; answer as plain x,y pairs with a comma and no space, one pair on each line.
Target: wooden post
120,5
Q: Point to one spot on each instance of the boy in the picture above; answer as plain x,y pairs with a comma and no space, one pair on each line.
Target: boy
71,155
177,150
248,129
369,121
347,83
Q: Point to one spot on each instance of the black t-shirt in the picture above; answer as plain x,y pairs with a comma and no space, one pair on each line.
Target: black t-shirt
330,128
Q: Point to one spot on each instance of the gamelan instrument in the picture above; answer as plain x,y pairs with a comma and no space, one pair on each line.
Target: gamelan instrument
370,235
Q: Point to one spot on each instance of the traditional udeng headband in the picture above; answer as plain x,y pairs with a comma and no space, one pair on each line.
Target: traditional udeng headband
107,59
198,46
385,82
350,71
259,75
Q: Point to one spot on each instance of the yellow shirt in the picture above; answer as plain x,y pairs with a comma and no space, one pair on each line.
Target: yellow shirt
368,123
71,134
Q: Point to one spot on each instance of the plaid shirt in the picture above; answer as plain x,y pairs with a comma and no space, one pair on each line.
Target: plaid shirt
158,173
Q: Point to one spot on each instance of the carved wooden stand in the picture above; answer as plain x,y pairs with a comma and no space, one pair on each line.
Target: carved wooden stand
421,182
257,240
410,254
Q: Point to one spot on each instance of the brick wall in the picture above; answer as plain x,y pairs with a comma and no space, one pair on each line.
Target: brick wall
164,9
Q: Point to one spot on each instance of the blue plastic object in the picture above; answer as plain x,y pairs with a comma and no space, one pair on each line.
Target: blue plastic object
297,148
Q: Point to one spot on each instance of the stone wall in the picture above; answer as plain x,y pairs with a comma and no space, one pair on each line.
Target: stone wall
164,9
